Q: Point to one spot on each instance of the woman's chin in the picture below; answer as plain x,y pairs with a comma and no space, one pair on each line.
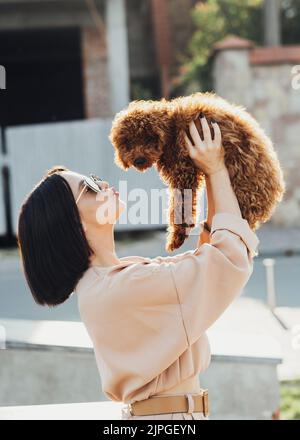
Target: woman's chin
120,208
122,205
112,214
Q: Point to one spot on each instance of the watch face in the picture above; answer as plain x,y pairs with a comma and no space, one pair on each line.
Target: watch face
203,226
92,184
206,227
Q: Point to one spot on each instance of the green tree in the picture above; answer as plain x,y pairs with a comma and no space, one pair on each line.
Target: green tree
215,20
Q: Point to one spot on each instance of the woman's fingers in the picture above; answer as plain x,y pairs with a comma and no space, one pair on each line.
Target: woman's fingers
206,130
200,146
195,133
218,136
190,146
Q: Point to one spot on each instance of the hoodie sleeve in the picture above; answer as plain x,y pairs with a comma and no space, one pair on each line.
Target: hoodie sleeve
144,316
209,278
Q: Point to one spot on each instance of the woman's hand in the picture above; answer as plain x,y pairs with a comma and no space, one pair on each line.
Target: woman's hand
207,154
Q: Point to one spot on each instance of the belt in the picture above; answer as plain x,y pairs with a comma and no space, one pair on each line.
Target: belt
171,404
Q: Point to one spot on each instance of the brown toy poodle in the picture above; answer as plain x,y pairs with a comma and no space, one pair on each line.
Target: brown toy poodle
150,133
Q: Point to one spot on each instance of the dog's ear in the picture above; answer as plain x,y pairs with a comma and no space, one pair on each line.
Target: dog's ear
163,126
120,162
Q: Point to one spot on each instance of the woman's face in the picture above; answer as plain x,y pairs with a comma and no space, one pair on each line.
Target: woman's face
95,208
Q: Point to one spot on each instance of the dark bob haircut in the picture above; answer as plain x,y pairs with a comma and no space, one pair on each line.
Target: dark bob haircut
52,244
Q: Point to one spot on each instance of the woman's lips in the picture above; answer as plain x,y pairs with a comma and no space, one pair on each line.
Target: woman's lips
115,191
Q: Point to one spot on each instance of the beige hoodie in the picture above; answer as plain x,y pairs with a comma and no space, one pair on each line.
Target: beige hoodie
147,317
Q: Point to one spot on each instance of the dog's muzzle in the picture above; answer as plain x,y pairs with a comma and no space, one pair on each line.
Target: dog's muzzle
139,161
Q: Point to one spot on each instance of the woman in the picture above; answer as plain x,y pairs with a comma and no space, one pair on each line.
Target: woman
147,318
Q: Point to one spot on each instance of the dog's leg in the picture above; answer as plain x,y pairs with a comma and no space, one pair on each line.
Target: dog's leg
182,207
182,216
176,231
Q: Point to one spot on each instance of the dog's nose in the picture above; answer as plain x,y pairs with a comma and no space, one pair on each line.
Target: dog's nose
140,161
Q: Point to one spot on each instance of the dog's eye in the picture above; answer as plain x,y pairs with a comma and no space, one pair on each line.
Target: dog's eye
152,139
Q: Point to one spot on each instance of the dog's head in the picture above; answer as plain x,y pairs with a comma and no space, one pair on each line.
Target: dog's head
139,134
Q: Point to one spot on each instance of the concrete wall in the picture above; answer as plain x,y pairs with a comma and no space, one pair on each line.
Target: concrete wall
261,79
51,362
241,388
40,376
82,146
238,389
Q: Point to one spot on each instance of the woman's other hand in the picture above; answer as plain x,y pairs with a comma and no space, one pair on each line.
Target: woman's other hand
207,154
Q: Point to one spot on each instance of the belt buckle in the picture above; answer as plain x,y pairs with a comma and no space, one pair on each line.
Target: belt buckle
132,407
127,408
205,403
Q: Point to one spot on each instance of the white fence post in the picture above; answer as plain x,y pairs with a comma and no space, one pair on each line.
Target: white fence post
271,296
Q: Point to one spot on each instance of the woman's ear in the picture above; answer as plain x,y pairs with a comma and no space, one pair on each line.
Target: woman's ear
84,226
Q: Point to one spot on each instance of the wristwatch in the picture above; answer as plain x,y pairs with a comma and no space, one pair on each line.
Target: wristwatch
204,225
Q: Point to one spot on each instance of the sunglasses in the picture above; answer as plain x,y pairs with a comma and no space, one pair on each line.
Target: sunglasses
91,183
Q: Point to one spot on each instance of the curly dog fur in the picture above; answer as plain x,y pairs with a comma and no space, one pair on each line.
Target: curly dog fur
149,133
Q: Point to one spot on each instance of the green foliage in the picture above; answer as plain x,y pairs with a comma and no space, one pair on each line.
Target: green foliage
139,91
290,400
215,20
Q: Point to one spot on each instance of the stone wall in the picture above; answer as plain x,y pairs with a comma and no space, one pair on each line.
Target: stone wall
260,78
